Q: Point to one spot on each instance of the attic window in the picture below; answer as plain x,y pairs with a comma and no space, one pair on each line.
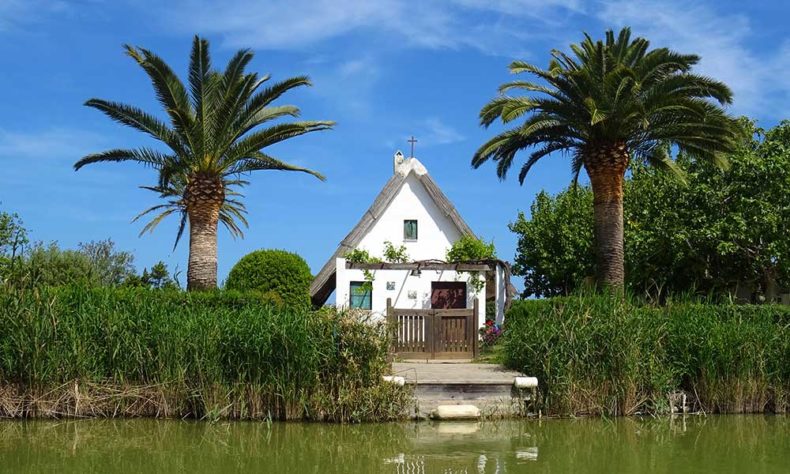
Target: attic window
410,229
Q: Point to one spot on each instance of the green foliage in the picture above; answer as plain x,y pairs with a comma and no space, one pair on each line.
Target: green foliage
109,266
13,238
470,249
610,91
217,354
215,130
713,232
607,355
360,256
555,249
395,255
158,277
280,276
363,256
95,263
49,265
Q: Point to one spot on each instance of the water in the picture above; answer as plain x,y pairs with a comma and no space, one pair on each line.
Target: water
748,444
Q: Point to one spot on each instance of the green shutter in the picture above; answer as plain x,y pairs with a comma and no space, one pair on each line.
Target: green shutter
361,295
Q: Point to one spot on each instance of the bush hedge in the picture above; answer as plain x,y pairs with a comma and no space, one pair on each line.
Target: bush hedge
608,355
141,352
277,275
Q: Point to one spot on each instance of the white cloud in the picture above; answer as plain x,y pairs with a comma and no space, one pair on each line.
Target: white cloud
349,82
758,79
49,143
428,132
16,13
298,24
436,132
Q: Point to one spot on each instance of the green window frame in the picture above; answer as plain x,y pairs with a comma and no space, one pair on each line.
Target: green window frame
361,295
410,229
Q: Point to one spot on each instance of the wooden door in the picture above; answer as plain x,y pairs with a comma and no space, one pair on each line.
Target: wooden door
448,295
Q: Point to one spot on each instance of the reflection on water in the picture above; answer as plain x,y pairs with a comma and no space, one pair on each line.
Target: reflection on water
693,444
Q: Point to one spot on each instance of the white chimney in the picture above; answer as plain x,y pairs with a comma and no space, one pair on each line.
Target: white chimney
399,163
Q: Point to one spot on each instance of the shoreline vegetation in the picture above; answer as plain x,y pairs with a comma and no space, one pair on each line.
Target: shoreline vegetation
607,355
73,352
111,352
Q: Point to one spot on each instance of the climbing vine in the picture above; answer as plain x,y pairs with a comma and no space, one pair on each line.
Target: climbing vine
471,249
363,256
394,254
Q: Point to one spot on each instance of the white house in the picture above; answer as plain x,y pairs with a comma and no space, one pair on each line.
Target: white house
411,211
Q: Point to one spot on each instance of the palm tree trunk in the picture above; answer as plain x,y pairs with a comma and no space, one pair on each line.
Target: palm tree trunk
204,197
606,165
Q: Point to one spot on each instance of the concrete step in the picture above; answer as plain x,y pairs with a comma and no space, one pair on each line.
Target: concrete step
455,412
463,391
492,401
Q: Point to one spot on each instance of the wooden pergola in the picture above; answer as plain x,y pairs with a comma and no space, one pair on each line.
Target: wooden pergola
424,265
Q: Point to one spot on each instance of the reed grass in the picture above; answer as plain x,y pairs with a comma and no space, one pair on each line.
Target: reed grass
137,352
609,355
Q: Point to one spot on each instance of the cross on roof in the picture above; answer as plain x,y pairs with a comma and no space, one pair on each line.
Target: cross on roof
412,141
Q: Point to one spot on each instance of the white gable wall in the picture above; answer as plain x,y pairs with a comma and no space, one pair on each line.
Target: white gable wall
435,231
435,235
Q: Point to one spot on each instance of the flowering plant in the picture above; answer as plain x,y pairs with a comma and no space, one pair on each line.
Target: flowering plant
490,333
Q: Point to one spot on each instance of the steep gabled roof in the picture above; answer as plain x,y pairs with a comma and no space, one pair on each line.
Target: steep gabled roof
324,283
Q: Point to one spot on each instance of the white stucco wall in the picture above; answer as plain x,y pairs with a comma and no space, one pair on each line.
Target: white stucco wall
435,231
405,283
435,235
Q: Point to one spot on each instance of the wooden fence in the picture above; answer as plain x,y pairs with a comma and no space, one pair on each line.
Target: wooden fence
434,333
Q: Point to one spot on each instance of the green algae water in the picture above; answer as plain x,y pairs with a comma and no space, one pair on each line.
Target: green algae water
715,444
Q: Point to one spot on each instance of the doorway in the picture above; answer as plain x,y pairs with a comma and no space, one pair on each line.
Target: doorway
448,295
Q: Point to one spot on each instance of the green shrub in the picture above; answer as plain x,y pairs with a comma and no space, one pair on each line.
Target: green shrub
607,355
201,354
278,276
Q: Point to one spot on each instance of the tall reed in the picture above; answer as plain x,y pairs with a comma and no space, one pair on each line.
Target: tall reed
609,355
162,353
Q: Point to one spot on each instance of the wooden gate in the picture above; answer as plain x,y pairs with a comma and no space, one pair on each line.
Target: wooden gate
434,333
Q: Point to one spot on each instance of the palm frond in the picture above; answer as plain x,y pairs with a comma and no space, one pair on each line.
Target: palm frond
144,156
605,92
218,127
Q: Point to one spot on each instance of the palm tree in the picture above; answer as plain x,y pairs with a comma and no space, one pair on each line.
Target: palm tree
610,102
213,138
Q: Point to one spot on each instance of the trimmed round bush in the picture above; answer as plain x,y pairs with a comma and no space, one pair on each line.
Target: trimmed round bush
279,276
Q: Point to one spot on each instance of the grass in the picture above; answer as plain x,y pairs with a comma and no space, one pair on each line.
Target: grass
607,355
135,352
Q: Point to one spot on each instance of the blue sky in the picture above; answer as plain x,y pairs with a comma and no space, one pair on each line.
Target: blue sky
382,69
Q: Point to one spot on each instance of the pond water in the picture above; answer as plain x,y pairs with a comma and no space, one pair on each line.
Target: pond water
753,444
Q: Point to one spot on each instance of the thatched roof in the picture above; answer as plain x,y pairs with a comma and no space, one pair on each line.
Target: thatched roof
324,283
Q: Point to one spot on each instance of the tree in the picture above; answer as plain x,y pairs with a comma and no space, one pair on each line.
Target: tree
95,263
712,235
611,103
158,277
13,238
13,234
212,139
110,267
555,250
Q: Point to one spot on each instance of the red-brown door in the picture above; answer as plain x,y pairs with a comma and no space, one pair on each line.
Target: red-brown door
448,294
